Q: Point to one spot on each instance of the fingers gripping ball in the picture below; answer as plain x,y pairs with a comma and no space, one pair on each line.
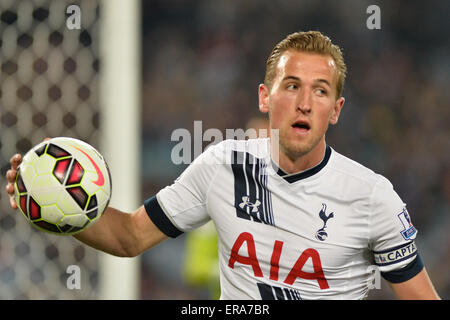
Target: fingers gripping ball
63,186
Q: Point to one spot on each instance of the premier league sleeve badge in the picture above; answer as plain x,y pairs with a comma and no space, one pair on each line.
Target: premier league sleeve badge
409,231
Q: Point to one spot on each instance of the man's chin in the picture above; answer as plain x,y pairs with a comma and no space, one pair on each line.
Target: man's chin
296,150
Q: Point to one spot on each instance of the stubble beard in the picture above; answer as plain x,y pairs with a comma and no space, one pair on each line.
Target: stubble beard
294,149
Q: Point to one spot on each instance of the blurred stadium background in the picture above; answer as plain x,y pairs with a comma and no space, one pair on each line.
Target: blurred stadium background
202,60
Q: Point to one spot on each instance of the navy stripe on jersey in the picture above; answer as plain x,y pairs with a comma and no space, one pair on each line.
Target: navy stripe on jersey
252,199
240,183
266,194
159,218
269,292
304,174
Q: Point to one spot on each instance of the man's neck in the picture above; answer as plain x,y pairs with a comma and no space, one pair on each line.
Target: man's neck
290,164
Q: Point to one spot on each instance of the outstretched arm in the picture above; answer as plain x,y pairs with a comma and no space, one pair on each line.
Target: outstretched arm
417,288
122,234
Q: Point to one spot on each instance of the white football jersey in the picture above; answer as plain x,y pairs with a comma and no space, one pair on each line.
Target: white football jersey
317,234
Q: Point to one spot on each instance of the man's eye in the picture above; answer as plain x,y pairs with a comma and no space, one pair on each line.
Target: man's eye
292,87
321,92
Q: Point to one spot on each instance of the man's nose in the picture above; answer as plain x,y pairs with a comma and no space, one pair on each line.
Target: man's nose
304,100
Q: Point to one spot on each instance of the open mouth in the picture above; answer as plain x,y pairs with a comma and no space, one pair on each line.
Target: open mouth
301,125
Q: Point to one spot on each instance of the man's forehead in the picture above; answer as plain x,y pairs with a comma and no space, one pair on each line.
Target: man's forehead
293,60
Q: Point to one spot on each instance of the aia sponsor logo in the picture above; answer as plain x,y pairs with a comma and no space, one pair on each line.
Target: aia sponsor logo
252,260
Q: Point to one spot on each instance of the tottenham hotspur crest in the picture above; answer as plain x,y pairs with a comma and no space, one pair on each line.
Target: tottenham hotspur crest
321,234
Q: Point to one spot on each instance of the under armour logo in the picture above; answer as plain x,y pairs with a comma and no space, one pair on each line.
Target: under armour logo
321,233
246,202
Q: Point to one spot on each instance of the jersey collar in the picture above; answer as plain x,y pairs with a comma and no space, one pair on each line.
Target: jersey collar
293,177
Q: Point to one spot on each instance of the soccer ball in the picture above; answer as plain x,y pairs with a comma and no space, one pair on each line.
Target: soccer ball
63,185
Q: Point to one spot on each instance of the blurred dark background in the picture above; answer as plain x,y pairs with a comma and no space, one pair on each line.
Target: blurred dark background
203,60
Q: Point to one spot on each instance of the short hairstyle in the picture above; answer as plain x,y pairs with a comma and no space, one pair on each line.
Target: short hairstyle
310,41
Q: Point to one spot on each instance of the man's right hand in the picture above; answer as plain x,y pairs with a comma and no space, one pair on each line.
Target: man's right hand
117,233
11,178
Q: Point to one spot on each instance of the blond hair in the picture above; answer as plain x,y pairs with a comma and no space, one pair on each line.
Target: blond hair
310,41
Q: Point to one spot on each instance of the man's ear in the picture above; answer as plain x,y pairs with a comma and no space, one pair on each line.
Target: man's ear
263,94
337,110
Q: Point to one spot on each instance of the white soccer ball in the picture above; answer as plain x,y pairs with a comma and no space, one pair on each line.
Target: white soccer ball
63,186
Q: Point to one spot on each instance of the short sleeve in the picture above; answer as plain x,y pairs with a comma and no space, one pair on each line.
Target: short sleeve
181,206
392,235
